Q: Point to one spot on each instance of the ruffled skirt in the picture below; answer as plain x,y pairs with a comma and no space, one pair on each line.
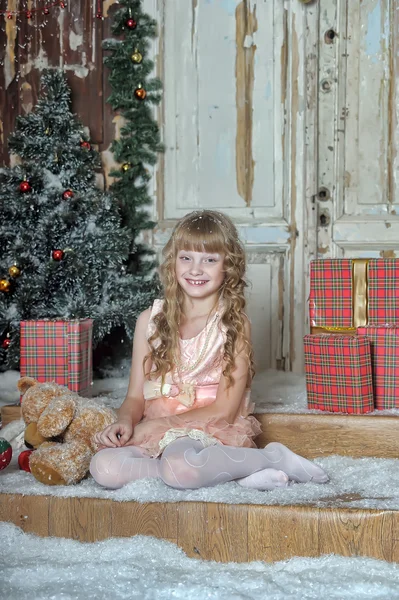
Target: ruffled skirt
214,431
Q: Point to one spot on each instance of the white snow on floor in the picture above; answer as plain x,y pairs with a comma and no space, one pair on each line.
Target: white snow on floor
150,569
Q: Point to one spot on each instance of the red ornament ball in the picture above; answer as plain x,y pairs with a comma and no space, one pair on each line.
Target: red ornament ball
23,460
131,24
57,254
6,343
68,194
25,186
85,145
9,16
5,453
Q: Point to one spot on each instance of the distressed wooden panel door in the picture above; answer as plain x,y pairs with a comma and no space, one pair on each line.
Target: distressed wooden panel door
234,134
357,201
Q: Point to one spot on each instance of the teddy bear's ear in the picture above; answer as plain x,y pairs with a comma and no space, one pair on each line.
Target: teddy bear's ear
25,383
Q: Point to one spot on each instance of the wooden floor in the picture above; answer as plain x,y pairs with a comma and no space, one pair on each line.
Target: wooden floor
241,533
221,532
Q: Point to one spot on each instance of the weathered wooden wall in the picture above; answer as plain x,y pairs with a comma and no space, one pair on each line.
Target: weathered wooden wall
70,39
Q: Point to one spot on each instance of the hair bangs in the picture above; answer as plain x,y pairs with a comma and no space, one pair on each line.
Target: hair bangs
202,233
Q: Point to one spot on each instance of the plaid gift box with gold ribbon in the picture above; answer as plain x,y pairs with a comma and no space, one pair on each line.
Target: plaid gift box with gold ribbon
59,351
384,349
350,293
338,373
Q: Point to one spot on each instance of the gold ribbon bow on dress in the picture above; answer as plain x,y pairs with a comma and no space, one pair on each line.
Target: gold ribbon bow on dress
185,392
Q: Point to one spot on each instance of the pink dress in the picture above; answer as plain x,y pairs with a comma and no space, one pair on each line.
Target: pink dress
194,384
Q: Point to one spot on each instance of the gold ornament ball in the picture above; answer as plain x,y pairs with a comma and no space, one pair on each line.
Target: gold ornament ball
14,271
140,93
125,167
4,285
137,57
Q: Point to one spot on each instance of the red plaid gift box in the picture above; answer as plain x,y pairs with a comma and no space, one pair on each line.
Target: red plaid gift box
346,293
338,373
59,351
384,349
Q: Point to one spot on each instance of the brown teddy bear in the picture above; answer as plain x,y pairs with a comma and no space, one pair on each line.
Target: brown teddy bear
60,426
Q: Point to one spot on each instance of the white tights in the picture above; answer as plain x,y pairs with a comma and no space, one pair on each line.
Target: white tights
186,464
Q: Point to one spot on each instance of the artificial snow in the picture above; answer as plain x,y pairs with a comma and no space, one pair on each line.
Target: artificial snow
354,483
150,569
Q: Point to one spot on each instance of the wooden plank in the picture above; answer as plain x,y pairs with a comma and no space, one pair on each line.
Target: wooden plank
133,518
10,413
9,101
356,533
314,435
395,536
30,513
280,532
82,57
213,531
83,519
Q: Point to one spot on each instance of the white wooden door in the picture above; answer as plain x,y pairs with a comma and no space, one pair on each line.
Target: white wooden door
357,200
234,128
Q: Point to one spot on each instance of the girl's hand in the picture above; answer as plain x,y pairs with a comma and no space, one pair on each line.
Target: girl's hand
114,435
142,431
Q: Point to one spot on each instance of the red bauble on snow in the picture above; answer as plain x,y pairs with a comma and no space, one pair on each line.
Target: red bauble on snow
23,460
85,145
131,24
57,254
5,453
68,194
6,343
25,186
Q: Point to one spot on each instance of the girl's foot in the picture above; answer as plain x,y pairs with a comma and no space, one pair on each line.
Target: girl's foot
267,479
297,468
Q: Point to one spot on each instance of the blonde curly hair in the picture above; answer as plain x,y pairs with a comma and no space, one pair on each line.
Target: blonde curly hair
202,231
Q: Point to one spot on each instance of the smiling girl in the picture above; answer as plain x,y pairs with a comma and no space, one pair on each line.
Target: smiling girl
186,416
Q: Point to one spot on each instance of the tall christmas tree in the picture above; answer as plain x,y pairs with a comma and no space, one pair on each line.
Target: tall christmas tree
63,252
134,93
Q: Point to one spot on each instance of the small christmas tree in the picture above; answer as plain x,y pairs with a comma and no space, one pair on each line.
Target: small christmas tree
134,93
63,251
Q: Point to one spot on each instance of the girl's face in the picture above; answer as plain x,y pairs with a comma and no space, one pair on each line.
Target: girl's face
200,274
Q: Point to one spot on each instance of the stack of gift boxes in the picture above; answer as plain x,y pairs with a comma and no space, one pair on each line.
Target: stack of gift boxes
352,351
60,351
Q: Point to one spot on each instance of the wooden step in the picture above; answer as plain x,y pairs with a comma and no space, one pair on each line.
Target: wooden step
315,434
221,532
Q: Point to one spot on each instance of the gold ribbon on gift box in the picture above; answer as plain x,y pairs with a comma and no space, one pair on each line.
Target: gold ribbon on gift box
359,300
